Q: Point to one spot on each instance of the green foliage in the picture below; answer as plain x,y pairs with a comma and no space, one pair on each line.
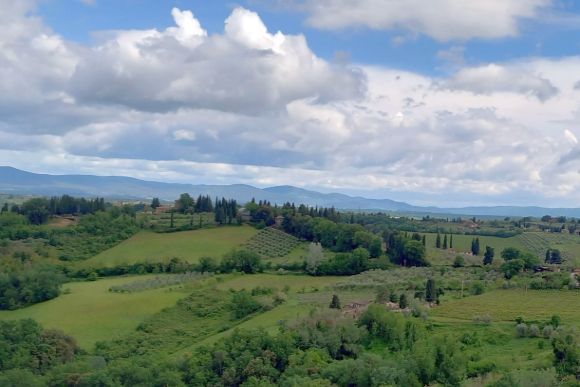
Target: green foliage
566,353
431,294
27,286
459,261
335,302
272,243
488,255
243,304
241,260
24,344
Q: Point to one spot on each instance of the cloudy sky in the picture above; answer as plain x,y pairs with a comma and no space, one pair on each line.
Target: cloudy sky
445,102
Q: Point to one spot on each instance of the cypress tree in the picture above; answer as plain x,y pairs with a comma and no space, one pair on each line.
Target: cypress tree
431,291
335,303
438,241
445,242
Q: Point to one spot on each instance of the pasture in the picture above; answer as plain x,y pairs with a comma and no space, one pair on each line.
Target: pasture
190,246
90,313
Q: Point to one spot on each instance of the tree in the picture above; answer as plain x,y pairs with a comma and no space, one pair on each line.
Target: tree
243,304
475,246
451,241
459,261
382,294
488,255
414,254
438,241
554,257
403,301
314,257
335,302
155,203
376,248
445,242
185,203
430,291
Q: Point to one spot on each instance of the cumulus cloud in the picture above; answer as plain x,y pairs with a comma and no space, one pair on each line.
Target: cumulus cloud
246,70
497,78
443,20
253,106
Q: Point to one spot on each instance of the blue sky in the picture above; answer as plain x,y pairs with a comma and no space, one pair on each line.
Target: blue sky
546,36
441,103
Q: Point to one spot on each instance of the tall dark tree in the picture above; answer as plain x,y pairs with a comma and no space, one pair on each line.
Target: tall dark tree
155,203
488,255
475,246
438,241
430,291
451,241
335,302
445,242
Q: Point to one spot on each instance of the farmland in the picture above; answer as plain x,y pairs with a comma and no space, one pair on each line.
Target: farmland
89,312
270,243
462,244
148,246
506,305
162,222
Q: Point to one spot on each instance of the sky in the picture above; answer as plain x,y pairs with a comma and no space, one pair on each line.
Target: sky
446,102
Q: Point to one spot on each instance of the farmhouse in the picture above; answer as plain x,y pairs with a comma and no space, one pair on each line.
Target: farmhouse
162,209
278,221
244,214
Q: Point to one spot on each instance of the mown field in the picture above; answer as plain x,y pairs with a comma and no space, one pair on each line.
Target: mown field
89,312
187,245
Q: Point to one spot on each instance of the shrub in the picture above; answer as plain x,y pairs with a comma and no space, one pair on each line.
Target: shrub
522,330
547,332
534,331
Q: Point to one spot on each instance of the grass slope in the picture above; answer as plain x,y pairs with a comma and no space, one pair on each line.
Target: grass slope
462,244
188,245
91,313
506,305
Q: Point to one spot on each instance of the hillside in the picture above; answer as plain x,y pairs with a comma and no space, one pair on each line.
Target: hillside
17,182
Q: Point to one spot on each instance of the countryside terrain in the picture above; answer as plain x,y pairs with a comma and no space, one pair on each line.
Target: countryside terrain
140,301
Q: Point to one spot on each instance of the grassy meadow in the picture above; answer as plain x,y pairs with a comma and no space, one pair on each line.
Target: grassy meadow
507,305
462,244
89,312
148,246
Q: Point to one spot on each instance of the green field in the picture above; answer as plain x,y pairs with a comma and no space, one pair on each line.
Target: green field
91,313
188,245
506,305
539,242
462,244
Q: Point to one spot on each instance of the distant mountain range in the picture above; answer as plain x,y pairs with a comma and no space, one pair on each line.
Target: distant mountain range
17,182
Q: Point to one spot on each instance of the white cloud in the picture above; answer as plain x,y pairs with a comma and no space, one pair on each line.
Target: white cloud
258,107
443,20
246,70
497,78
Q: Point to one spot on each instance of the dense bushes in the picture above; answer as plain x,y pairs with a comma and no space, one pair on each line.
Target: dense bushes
28,286
24,344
